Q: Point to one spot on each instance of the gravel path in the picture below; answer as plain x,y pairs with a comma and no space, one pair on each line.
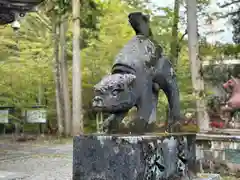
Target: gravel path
36,162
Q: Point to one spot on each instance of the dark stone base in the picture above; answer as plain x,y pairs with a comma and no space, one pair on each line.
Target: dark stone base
148,157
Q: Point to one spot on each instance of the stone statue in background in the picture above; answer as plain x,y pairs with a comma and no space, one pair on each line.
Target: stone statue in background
232,105
234,100
138,73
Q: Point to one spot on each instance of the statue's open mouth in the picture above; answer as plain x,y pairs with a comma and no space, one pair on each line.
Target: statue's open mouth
98,108
113,109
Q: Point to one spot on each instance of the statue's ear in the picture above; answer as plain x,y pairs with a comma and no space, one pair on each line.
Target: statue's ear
146,17
101,82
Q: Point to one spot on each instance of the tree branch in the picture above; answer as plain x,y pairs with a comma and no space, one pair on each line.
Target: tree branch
229,14
185,33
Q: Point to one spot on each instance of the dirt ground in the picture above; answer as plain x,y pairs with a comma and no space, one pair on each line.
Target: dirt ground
47,158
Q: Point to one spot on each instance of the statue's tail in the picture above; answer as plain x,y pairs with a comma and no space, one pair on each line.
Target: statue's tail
140,23
172,92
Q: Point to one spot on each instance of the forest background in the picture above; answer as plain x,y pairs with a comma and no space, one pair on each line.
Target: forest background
36,60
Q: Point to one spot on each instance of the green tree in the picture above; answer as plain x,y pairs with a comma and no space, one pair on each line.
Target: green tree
32,59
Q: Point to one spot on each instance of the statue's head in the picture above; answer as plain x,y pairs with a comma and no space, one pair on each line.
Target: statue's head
114,93
140,23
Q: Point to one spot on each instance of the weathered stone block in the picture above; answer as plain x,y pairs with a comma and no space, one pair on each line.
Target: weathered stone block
148,157
218,153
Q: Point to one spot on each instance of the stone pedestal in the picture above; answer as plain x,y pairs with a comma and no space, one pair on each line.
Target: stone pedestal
148,157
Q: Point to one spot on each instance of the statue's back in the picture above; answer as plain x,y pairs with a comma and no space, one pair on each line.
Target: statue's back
136,53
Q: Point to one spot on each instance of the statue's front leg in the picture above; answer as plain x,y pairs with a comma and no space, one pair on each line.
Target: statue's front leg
144,109
111,124
106,122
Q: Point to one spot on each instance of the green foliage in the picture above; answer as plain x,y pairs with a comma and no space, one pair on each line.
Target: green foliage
91,13
27,57
28,61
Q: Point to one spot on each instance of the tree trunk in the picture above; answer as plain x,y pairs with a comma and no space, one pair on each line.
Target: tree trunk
64,77
174,43
197,79
77,124
59,100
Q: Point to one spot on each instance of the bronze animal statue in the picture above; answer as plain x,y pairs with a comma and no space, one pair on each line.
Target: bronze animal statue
138,73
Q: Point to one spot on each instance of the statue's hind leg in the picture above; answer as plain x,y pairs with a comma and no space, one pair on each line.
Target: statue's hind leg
153,117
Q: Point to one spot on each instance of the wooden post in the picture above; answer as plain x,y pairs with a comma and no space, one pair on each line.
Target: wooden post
64,74
197,79
77,124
